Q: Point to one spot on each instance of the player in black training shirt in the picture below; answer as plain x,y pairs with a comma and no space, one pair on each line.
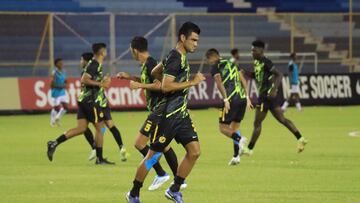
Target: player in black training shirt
85,58
90,104
176,122
268,79
153,94
232,86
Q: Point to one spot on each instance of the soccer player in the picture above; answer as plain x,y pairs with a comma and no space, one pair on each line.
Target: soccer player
58,93
295,86
233,88
268,79
91,103
235,57
176,122
153,94
85,58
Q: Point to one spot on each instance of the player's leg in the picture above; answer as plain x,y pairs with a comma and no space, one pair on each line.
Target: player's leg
116,134
143,169
54,111
80,128
187,136
279,115
99,140
260,115
63,105
297,101
143,148
90,139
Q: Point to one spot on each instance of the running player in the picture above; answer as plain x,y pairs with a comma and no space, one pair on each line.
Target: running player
91,102
58,93
233,88
295,86
176,122
153,94
268,79
85,58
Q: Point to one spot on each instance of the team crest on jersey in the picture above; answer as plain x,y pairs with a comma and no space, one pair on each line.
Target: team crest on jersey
101,114
162,139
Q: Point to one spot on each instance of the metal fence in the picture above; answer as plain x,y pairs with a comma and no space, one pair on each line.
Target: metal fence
31,41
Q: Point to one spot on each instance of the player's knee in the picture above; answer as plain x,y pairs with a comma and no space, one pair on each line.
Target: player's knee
222,129
194,154
139,146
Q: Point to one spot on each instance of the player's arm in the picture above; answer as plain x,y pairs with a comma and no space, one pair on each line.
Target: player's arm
247,73
155,86
220,86
127,76
246,88
157,71
277,75
91,71
169,84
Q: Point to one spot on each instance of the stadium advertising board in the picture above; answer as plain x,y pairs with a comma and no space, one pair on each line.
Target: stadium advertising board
35,94
320,89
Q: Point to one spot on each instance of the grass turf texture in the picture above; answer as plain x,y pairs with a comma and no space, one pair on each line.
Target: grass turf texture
327,171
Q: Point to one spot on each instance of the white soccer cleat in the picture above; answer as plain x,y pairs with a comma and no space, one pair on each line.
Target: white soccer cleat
242,144
158,182
92,154
123,154
234,161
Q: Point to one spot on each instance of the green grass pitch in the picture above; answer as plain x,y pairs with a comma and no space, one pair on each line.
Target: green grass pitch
327,171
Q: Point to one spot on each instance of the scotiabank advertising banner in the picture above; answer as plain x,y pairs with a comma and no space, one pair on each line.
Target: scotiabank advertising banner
35,94
319,89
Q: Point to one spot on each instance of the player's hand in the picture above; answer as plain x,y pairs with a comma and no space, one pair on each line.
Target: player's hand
135,85
226,106
105,82
123,75
157,84
249,105
198,78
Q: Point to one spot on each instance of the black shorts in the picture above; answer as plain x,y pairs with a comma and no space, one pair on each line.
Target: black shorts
235,114
150,125
107,113
90,111
265,103
182,129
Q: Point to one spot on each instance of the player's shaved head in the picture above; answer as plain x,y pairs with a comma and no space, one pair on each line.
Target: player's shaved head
139,43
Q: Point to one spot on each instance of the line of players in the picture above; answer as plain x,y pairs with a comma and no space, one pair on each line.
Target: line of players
166,88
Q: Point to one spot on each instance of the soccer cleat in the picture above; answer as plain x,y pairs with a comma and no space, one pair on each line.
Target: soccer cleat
246,151
242,144
131,199
123,154
103,162
174,196
92,154
234,161
51,146
301,144
158,182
